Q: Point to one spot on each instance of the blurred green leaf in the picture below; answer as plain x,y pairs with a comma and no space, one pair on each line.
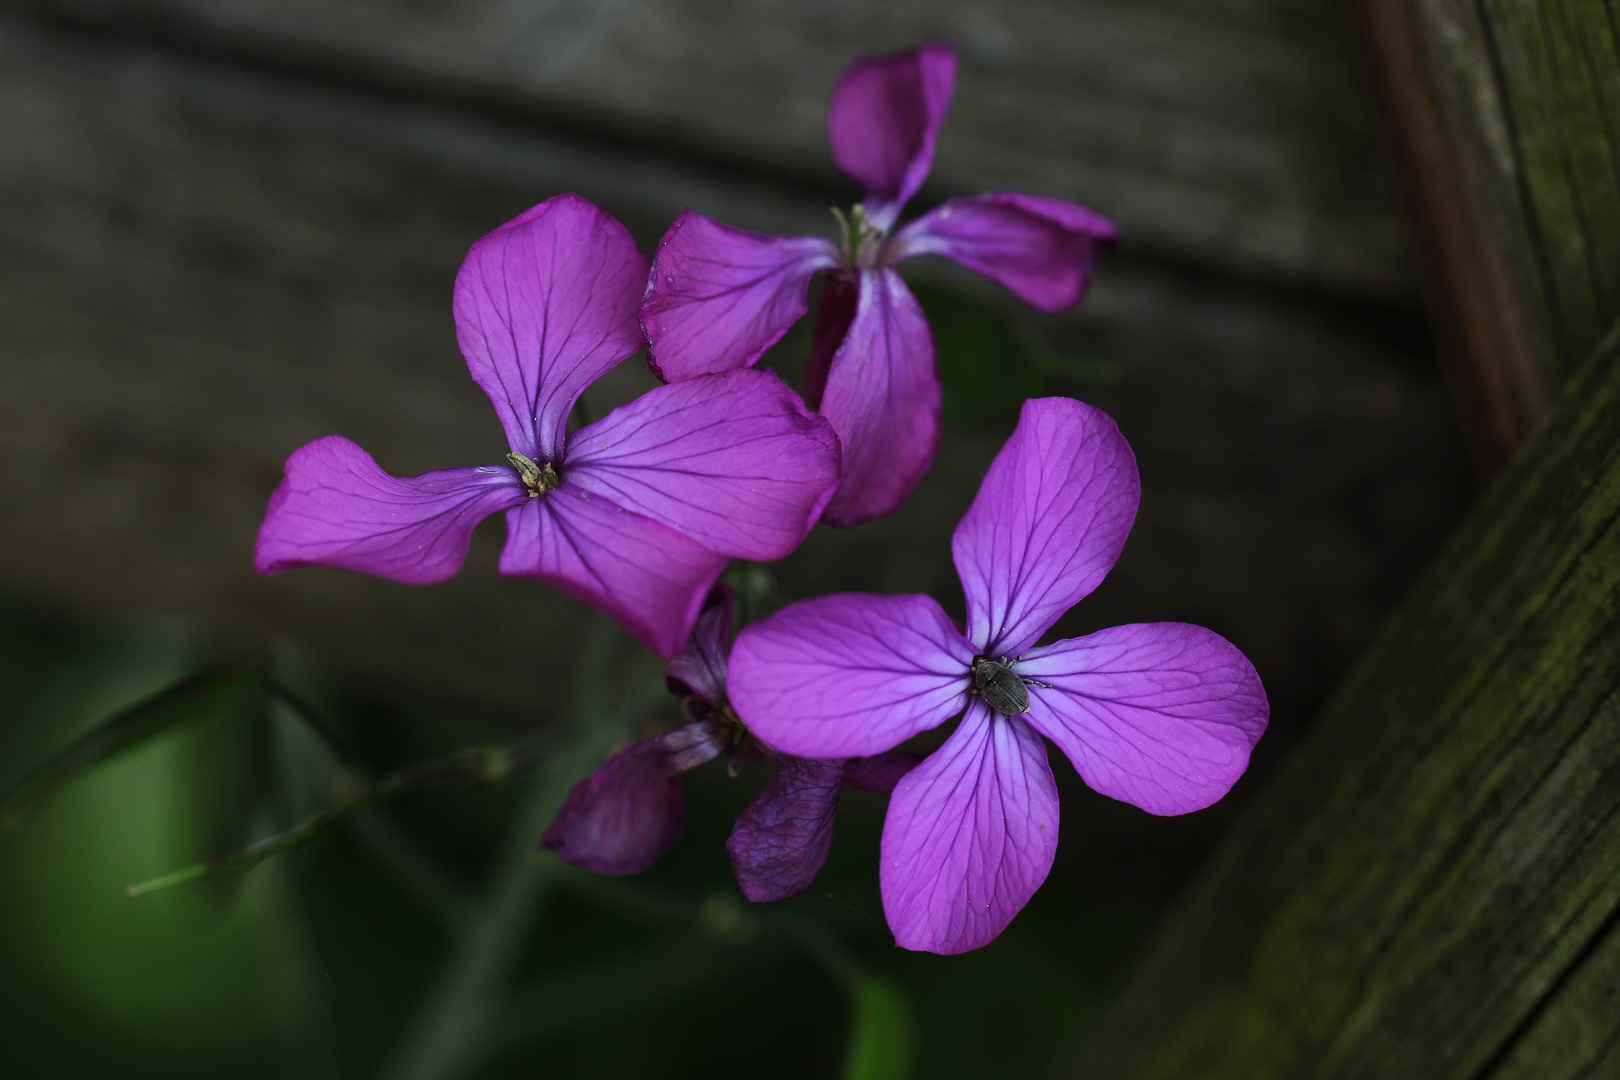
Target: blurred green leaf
883,1042
211,693
174,972
477,765
988,367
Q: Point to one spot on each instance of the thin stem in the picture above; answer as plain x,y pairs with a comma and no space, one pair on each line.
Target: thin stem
453,1032
477,766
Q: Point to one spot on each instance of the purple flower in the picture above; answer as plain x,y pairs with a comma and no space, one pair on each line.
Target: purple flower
636,513
1160,715
719,297
624,816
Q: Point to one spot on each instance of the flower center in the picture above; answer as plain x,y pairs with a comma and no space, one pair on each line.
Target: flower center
860,243
1000,686
537,479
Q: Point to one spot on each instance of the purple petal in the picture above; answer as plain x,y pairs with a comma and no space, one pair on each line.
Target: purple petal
545,305
622,817
1047,525
835,310
1159,715
733,461
337,508
701,667
625,815
883,398
880,772
781,841
849,675
970,835
718,296
1042,249
649,578
883,120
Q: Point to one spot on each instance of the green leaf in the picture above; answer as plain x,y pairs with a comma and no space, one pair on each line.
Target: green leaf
211,693
883,1042
986,366
989,367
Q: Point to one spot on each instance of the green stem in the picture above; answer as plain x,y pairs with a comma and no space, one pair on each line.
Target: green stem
481,766
453,1031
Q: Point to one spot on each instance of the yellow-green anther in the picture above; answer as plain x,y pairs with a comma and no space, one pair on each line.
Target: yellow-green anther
539,479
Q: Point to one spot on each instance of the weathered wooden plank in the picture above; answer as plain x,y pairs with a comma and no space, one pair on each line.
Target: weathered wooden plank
1506,118
1225,132
202,268
1576,1036
1429,887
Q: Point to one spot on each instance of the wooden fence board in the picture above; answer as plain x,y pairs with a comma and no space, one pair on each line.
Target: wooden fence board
1420,890
1228,132
1506,118
1577,1035
203,266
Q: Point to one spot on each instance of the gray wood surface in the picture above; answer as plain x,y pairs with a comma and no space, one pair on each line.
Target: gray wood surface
206,263
1230,132
1431,887
1505,116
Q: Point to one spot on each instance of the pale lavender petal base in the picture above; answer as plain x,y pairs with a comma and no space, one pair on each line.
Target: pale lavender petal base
1159,715
970,835
734,461
649,578
1041,249
1047,525
884,119
883,398
719,296
781,840
849,675
545,305
337,508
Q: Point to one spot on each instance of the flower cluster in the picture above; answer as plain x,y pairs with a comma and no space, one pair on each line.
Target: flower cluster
639,512
720,296
622,817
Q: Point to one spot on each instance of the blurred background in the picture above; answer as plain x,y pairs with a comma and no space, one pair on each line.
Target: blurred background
230,227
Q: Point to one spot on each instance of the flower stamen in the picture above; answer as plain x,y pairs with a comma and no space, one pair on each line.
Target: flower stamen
537,479
860,242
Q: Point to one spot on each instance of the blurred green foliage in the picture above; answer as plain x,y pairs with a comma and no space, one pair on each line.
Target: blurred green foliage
883,1044
338,960
988,367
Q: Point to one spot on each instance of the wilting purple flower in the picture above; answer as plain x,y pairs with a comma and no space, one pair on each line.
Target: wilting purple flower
636,513
1160,715
624,816
719,296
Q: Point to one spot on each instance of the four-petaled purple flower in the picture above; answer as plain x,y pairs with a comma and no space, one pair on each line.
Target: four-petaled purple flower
636,513
624,816
1160,715
719,296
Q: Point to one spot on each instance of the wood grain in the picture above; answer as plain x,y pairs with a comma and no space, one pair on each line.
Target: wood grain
1228,132
1505,119
204,265
1431,886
